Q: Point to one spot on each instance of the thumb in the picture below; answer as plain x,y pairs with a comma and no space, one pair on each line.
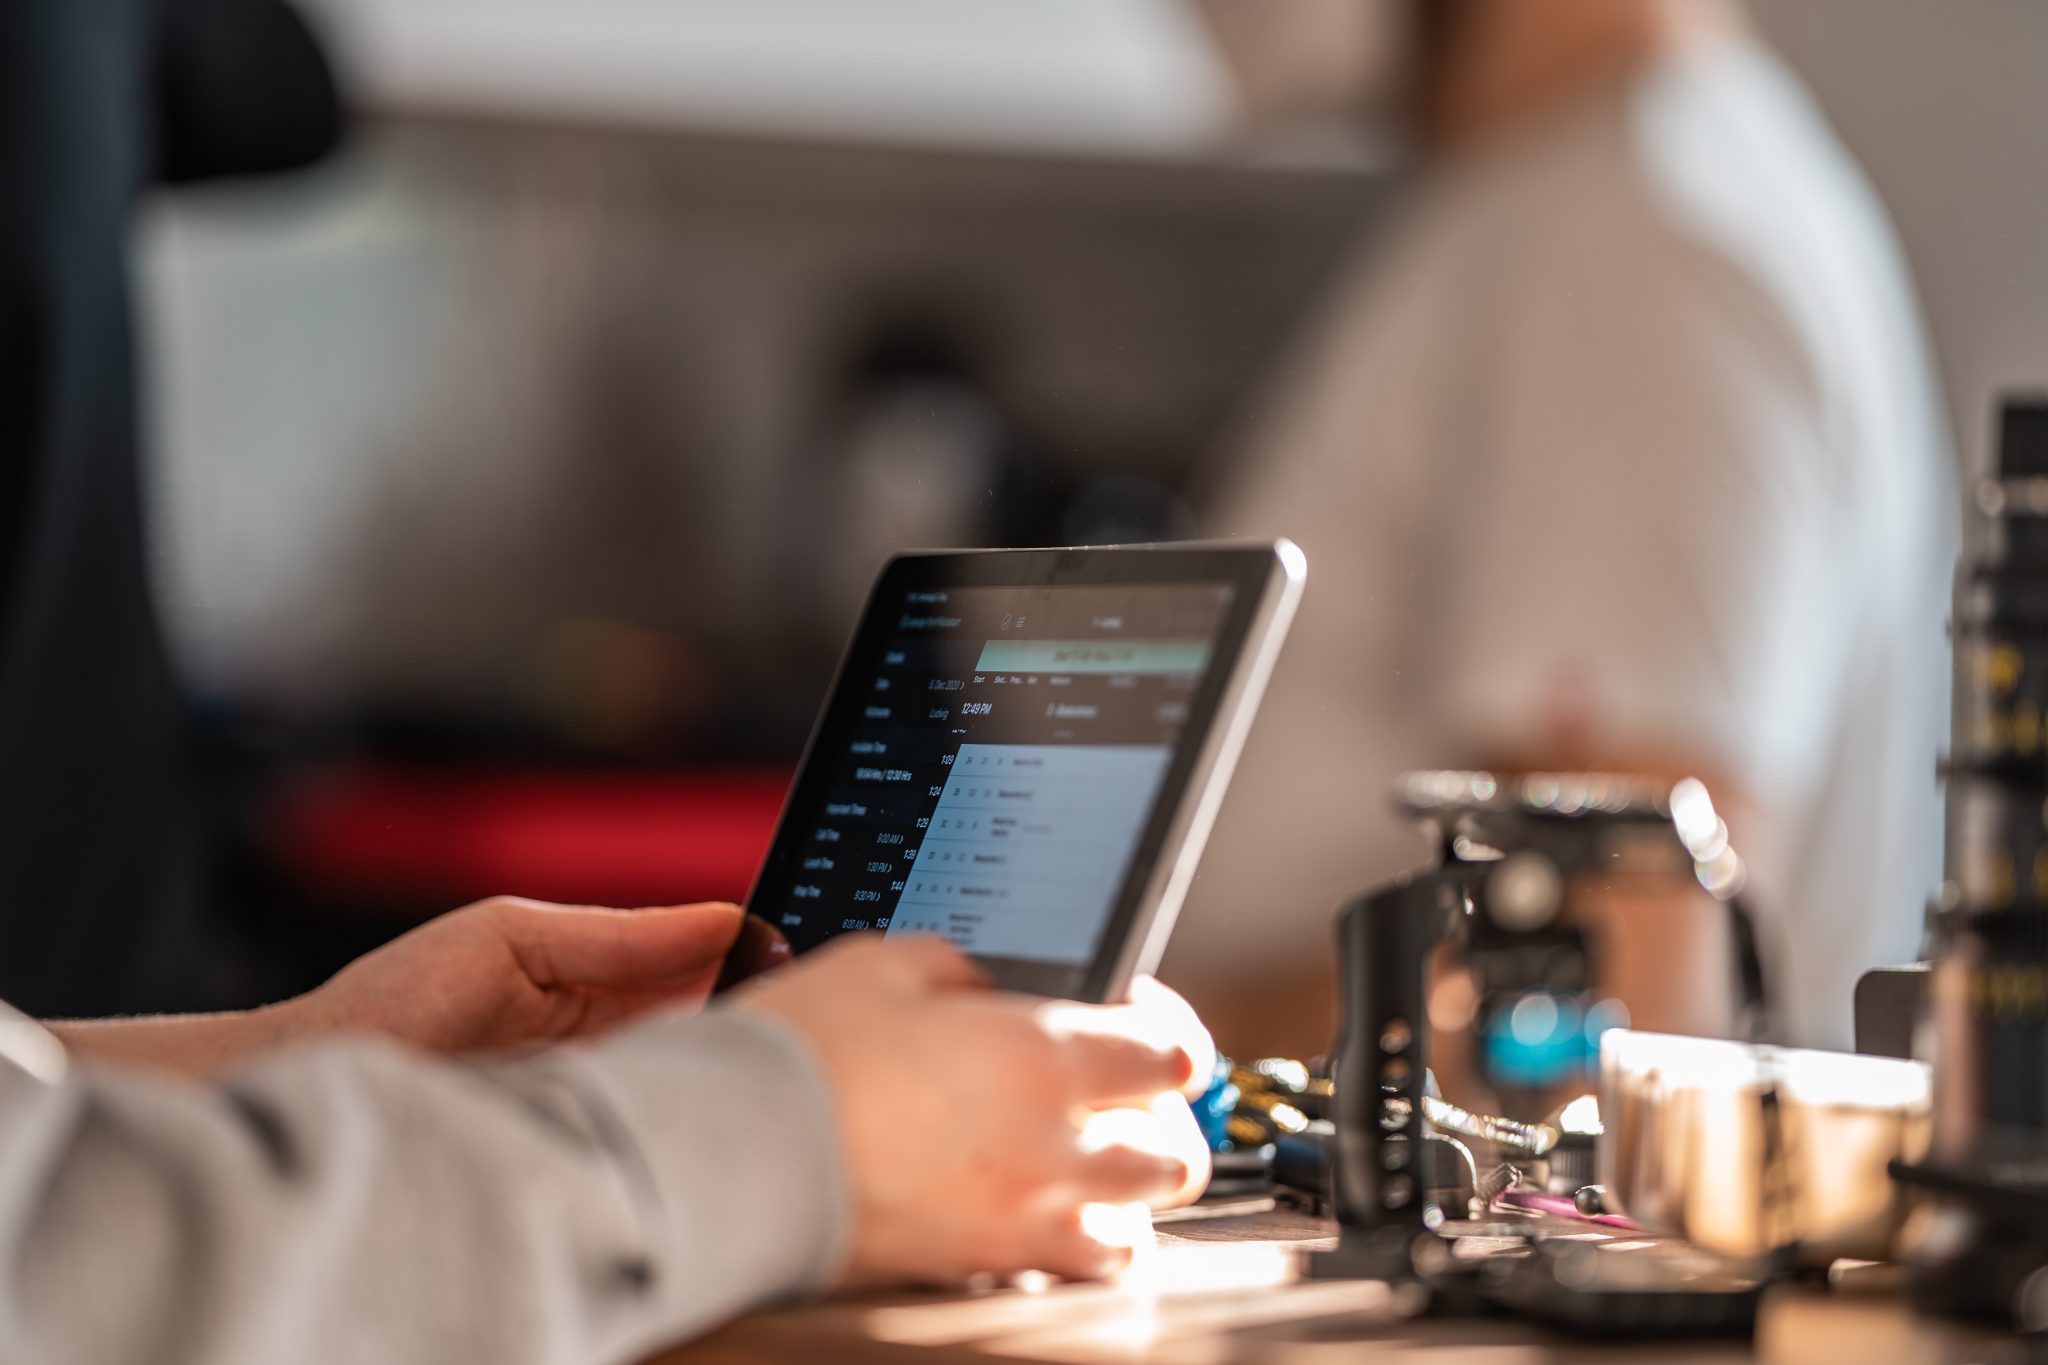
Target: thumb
564,945
914,962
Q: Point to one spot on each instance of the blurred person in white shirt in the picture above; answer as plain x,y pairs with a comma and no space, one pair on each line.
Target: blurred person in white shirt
1621,450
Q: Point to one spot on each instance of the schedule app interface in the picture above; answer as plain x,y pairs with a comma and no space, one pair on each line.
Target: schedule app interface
1010,750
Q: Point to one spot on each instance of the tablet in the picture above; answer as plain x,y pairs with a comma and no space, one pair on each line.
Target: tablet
1023,752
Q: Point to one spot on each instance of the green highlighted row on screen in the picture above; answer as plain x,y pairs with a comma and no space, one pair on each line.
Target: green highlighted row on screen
1093,656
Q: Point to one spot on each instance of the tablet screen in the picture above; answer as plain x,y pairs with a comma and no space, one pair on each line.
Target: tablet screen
993,765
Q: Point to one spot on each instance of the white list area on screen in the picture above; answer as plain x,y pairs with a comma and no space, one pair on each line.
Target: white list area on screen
1029,846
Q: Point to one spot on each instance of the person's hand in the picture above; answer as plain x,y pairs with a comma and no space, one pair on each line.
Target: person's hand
508,974
975,1125
499,976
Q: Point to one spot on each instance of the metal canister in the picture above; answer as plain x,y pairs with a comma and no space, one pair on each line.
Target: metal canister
1757,1151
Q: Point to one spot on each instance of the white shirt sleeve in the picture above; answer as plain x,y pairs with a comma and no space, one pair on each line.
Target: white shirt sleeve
351,1201
1643,553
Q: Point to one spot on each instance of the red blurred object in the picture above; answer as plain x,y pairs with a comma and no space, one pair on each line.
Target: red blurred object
409,836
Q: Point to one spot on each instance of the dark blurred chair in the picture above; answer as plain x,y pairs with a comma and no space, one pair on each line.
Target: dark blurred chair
101,811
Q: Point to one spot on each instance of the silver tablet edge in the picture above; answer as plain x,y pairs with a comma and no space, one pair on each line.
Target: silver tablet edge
1180,853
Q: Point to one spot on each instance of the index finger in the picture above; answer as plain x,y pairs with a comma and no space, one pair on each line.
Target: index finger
1178,1018
1118,1053
912,961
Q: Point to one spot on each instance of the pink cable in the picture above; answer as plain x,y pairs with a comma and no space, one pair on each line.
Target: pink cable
1560,1205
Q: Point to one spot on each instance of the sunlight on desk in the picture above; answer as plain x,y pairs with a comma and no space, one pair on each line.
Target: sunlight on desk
1229,1290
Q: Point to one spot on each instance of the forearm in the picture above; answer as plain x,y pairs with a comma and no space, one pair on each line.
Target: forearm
1284,1009
1664,952
357,1201
1663,945
195,1046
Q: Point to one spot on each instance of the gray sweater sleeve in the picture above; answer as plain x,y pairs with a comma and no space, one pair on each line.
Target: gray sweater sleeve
352,1201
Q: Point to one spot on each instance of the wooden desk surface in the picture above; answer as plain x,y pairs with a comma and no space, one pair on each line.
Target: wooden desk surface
1229,1291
